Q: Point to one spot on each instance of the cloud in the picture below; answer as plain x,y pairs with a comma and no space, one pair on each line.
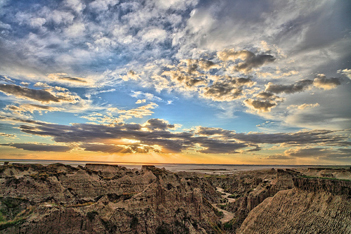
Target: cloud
138,112
39,95
139,101
325,83
183,80
146,96
7,135
323,137
131,75
299,86
64,77
30,108
226,90
154,35
346,72
39,147
155,135
102,5
319,152
250,60
76,30
260,105
115,115
159,124
303,106
76,5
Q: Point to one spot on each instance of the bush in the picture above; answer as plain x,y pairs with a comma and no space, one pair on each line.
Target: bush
134,222
234,195
91,215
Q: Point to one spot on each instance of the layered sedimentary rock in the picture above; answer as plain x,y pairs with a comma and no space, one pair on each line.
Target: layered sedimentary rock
102,199
313,206
251,188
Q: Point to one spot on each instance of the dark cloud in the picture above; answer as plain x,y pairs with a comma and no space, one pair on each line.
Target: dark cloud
187,80
73,79
305,152
158,124
40,147
260,105
41,107
319,152
28,107
7,135
325,137
222,92
257,148
265,95
216,147
204,131
207,65
226,90
326,83
250,60
288,89
39,95
279,157
93,137
321,82
254,61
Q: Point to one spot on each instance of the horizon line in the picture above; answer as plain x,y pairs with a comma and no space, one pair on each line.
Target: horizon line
148,163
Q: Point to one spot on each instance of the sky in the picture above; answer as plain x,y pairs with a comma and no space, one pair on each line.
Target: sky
177,81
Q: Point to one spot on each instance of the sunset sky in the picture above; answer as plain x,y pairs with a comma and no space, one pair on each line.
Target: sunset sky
176,81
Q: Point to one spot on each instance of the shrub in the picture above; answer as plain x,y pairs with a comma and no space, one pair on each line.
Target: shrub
91,215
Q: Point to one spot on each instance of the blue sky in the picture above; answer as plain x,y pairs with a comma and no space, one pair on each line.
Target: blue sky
263,82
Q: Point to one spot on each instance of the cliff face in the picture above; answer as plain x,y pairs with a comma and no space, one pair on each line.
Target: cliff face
299,211
252,188
313,206
102,199
333,186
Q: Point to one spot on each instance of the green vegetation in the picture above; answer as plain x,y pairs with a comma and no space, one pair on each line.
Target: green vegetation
10,223
19,219
163,229
227,226
81,205
222,206
40,176
234,195
134,222
91,215
216,228
219,213
2,218
12,202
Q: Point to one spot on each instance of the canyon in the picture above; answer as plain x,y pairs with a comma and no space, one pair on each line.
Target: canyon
101,198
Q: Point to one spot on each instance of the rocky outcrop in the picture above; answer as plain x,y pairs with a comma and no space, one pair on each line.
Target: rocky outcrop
103,199
333,186
300,211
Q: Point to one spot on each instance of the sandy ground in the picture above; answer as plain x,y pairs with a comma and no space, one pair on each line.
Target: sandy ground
227,215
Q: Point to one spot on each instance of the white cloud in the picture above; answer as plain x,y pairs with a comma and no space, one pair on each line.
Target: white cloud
75,30
59,17
37,22
76,5
154,35
102,5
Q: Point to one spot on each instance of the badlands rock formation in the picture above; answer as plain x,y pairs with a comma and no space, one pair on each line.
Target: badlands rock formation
100,198
103,199
313,206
